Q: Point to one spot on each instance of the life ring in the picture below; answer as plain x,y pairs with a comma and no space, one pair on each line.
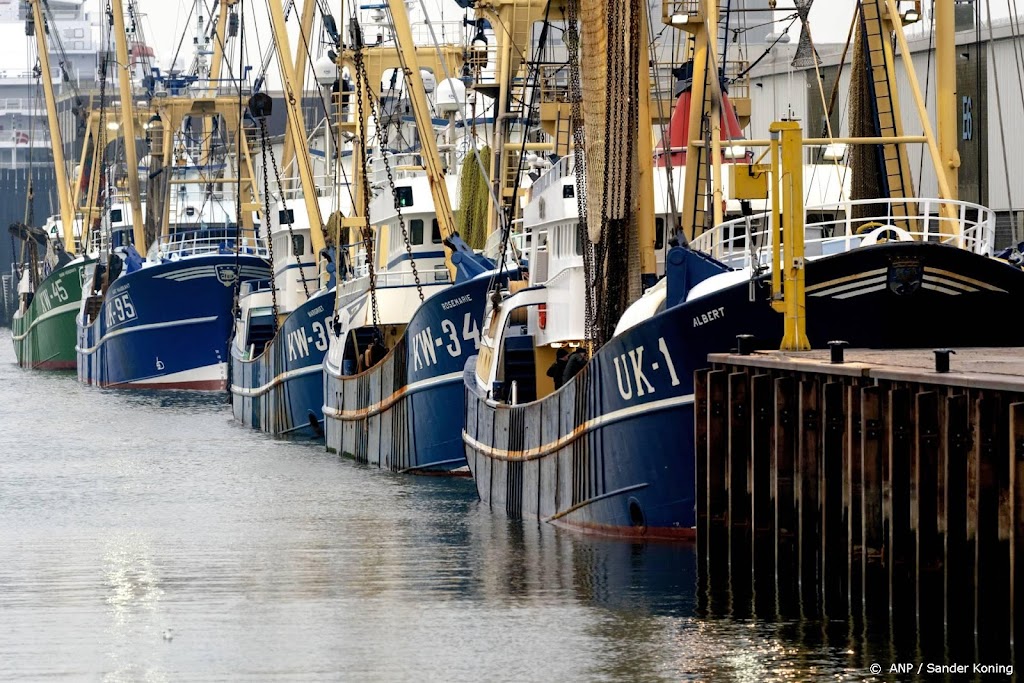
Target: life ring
877,230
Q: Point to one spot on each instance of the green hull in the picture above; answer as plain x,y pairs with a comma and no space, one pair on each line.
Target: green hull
44,334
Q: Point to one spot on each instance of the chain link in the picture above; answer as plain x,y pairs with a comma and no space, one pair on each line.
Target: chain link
366,230
382,143
266,218
572,41
284,207
99,149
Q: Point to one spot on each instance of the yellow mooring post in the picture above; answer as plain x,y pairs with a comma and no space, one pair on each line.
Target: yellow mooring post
789,182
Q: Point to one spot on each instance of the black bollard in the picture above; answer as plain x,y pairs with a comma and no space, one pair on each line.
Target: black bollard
837,347
744,344
942,359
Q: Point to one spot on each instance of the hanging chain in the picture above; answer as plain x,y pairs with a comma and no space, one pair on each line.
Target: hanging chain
612,253
572,41
382,143
266,217
366,230
100,150
284,207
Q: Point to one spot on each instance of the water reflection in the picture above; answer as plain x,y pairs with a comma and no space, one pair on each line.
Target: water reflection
145,536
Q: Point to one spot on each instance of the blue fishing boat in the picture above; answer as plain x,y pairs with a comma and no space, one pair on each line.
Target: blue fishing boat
165,322
611,451
280,336
409,319
157,309
609,447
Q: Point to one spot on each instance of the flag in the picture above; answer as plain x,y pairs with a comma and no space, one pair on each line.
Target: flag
20,137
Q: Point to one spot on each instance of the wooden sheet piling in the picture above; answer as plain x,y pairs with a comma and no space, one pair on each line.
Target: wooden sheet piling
877,489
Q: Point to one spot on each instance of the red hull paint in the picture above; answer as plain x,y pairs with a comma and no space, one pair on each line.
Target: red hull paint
637,533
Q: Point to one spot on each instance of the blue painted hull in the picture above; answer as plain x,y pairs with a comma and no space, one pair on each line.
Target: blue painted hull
281,391
405,413
165,326
613,451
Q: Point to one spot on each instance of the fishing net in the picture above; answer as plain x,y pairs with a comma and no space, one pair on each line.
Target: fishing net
805,53
610,69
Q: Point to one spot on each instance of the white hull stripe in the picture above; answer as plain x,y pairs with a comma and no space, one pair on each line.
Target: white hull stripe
831,291
964,279
192,269
864,290
943,284
142,328
942,290
214,372
198,275
64,308
280,379
581,430
842,280
407,390
953,284
210,271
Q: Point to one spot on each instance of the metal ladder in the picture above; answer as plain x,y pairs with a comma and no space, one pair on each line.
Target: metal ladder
882,76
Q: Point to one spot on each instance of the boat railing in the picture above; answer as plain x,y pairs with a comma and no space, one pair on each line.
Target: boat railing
293,187
834,228
406,278
187,244
254,286
679,12
402,164
562,168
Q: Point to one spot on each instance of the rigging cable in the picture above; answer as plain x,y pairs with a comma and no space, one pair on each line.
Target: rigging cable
806,27
999,110
510,210
506,228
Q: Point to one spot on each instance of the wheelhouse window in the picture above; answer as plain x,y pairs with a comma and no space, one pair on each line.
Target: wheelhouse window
416,231
298,245
659,233
435,233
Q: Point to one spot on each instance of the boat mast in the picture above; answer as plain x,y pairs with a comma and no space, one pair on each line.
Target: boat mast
67,211
645,157
515,20
424,121
305,30
945,95
696,18
124,84
296,126
220,37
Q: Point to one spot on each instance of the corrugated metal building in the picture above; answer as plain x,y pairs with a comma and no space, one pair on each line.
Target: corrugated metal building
985,67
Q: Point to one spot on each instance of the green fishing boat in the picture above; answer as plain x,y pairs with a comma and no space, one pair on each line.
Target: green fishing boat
51,267
43,327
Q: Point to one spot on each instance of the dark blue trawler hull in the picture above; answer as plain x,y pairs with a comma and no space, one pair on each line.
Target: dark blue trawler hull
613,451
405,413
166,326
281,391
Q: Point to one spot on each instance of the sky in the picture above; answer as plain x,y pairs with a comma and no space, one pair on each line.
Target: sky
165,24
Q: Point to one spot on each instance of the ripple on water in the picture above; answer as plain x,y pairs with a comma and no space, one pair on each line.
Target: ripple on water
147,537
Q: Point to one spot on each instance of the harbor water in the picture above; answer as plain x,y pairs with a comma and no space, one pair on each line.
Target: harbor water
147,537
